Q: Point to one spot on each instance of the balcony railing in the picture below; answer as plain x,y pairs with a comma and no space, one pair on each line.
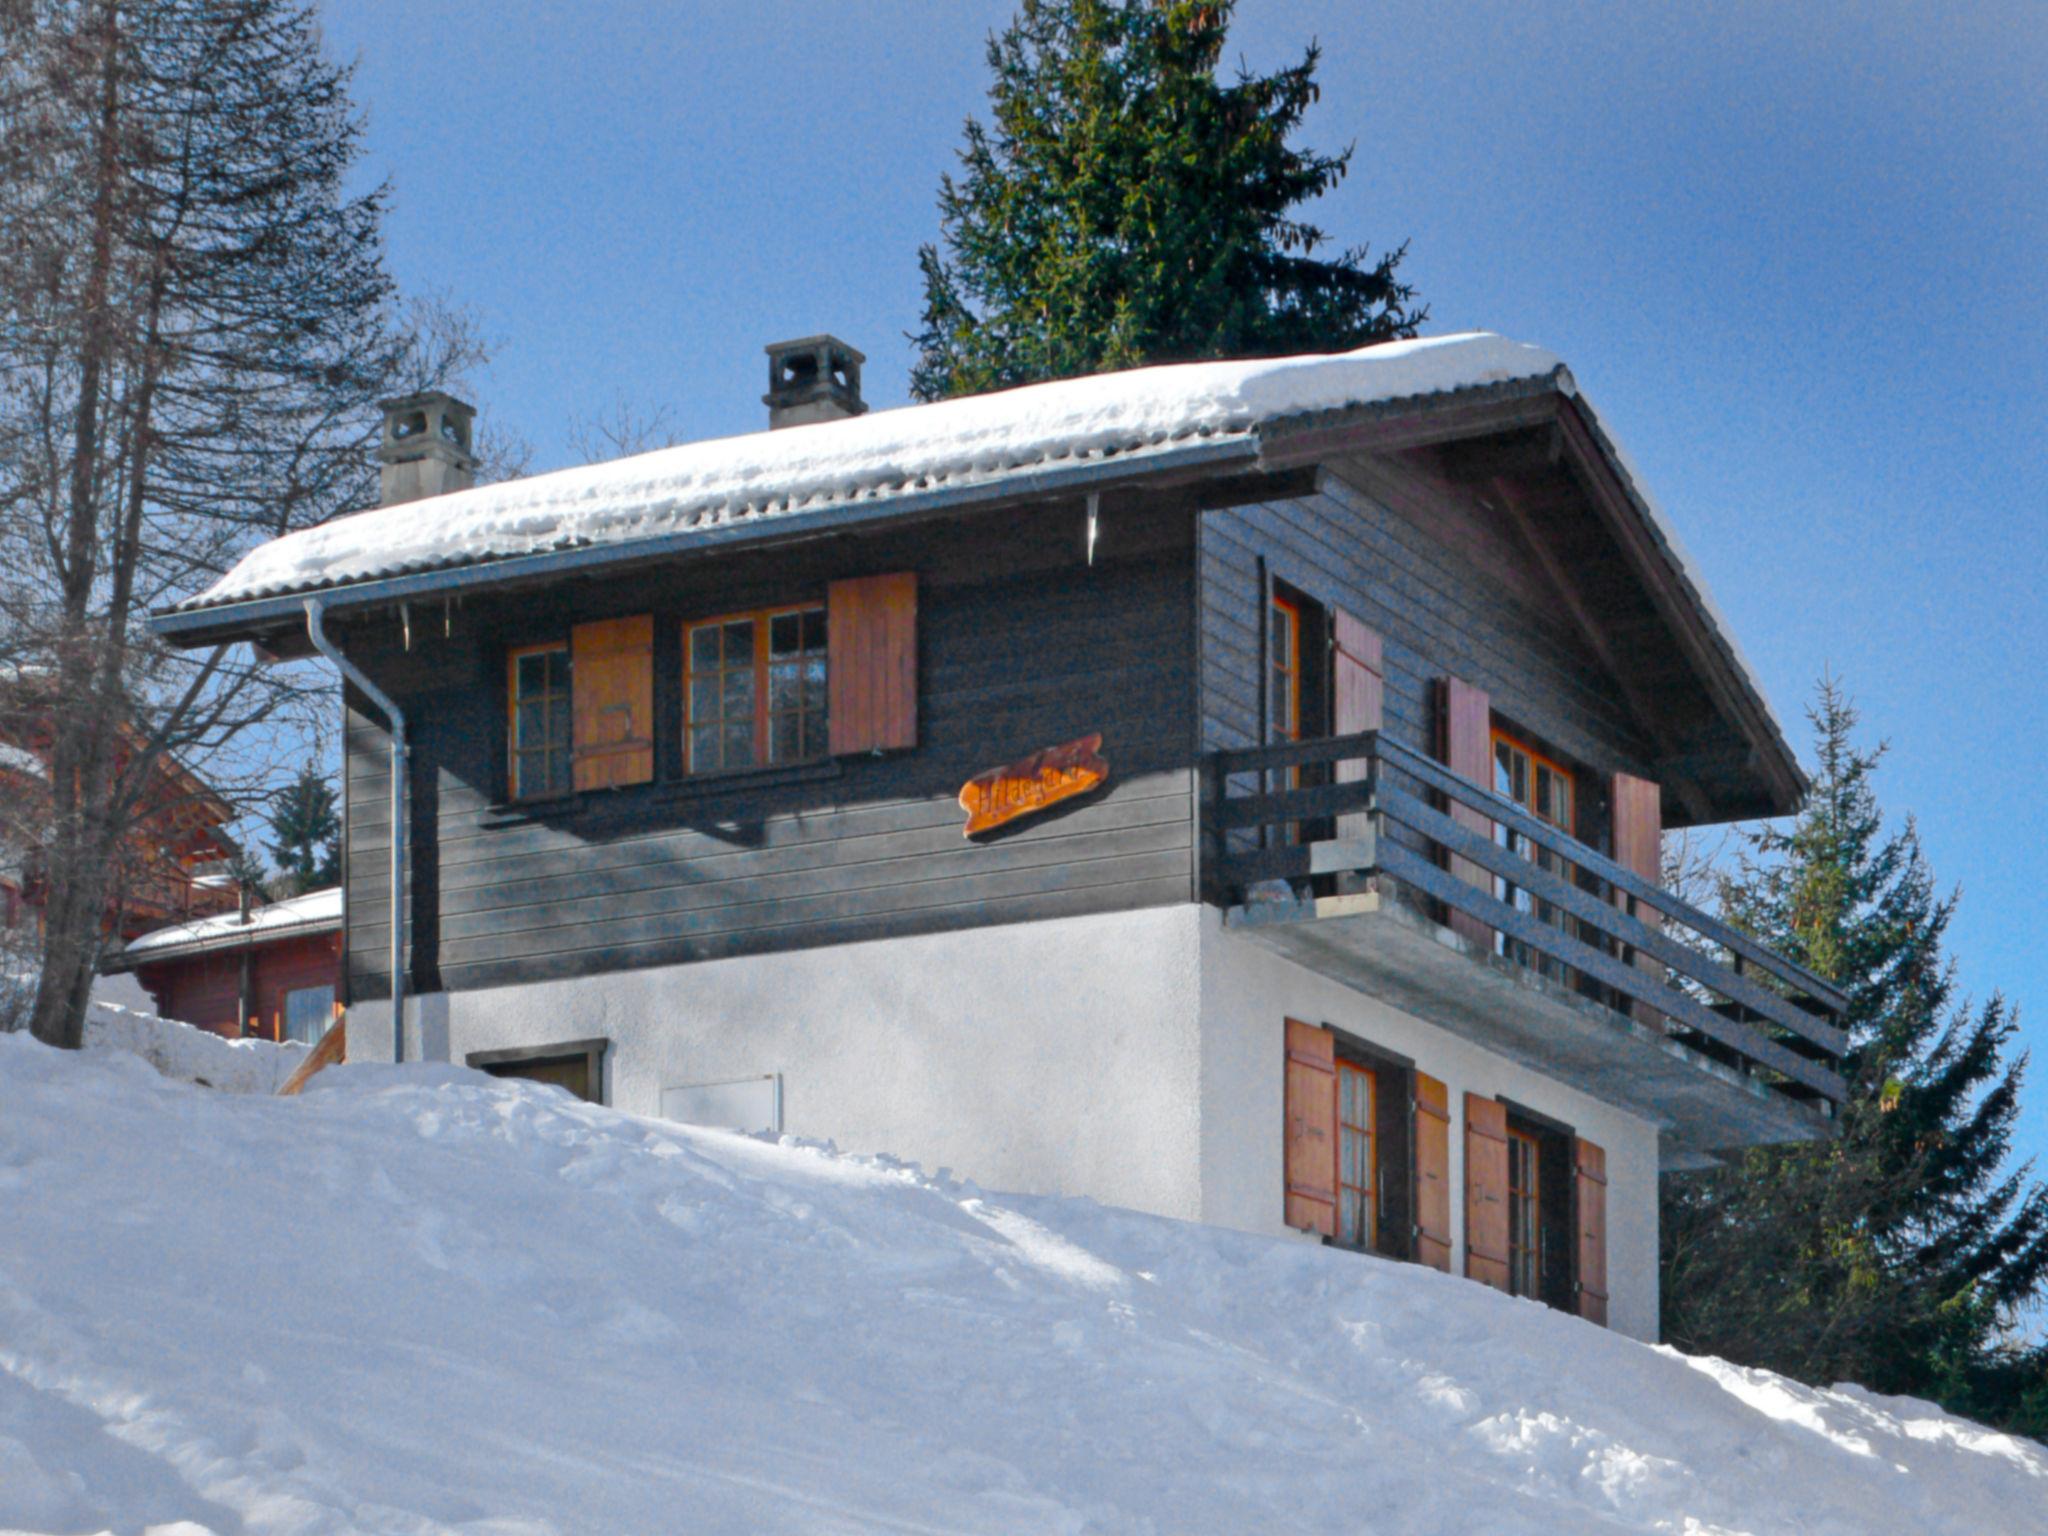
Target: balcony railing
1389,821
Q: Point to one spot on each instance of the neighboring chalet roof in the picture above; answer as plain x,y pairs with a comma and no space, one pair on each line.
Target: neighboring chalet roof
1063,437
313,913
20,760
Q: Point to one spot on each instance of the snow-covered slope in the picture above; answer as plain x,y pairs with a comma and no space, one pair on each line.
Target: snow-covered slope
420,1300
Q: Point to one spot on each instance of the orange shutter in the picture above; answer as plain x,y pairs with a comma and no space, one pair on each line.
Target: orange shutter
1358,691
872,665
1432,1173
1639,847
1591,1167
611,682
1486,1191
1465,729
1311,1128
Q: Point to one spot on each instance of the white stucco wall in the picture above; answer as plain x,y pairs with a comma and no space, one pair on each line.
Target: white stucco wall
1055,1057
1249,992
1133,1057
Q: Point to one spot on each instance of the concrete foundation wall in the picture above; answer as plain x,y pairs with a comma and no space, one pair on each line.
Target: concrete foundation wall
1249,992
1057,1057
1132,1057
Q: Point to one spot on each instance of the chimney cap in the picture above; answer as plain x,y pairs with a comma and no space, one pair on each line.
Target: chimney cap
426,446
812,378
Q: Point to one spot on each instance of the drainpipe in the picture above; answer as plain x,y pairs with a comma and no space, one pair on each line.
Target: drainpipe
378,697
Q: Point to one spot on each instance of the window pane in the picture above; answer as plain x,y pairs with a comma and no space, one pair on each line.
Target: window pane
814,685
307,1013
739,695
814,629
739,643
785,688
559,729
704,697
736,743
785,740
785,634
533,674
704,648
704,747
530,726
558,770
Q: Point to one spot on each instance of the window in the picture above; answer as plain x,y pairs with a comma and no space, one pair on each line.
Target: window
1525,1215
1543,787
1357,1157
307,1013
1284,685
540,721
755,689
574,1065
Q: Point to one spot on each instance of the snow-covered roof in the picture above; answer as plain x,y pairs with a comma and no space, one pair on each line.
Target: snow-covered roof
314,912
982,439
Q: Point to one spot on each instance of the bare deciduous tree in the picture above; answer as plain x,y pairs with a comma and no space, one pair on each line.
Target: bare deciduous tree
196,324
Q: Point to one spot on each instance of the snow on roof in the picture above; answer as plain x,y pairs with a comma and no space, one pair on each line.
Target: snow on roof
315,910
978,440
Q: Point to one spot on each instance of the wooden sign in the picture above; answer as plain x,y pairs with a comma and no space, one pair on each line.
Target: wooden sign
1039,782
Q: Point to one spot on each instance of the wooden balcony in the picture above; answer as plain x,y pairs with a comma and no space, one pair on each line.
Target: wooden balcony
1558,957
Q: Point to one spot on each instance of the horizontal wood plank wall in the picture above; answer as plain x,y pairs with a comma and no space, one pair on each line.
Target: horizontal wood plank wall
1021,645
1444,583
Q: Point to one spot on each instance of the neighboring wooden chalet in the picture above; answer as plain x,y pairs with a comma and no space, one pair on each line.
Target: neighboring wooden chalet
177,855
1316,721
271,973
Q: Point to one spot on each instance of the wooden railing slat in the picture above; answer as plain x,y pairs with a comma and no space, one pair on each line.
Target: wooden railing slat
1417,871
1609,919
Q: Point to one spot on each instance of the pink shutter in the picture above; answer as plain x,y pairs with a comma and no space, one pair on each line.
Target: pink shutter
1465,725
1358,690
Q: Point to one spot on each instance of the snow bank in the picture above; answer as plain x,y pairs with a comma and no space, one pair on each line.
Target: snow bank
799,469
192,1055
420,1300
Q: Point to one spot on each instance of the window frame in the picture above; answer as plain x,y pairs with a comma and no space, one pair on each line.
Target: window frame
513,751
1525,1214
1561,773
1367,1240
764,712
1290,671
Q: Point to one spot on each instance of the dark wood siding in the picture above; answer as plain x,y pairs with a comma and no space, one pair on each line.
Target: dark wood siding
1021,644
1450,589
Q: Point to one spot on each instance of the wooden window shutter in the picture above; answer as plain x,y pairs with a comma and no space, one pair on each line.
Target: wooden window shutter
1638,806
1311,1128
611,681
1465,740
871,667
1590,1167
1486,1191
1432,1173
1358,694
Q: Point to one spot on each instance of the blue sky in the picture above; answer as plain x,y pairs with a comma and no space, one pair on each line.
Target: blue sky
1795,255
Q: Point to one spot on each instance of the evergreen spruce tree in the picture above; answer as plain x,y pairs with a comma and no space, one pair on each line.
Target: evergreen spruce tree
306,833
1125,206
1904,1253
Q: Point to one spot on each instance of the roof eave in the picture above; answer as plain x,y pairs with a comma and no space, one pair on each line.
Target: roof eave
248,620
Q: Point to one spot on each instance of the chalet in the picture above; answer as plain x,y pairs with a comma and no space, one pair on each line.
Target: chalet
177,853
271,973
1230,790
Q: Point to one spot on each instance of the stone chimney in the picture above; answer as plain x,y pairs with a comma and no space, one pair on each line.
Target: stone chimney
814,378
425,450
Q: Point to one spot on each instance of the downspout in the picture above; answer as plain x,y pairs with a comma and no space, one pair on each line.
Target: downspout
377,696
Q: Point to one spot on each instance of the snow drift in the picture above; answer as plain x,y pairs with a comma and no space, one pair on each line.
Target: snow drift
421,1300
